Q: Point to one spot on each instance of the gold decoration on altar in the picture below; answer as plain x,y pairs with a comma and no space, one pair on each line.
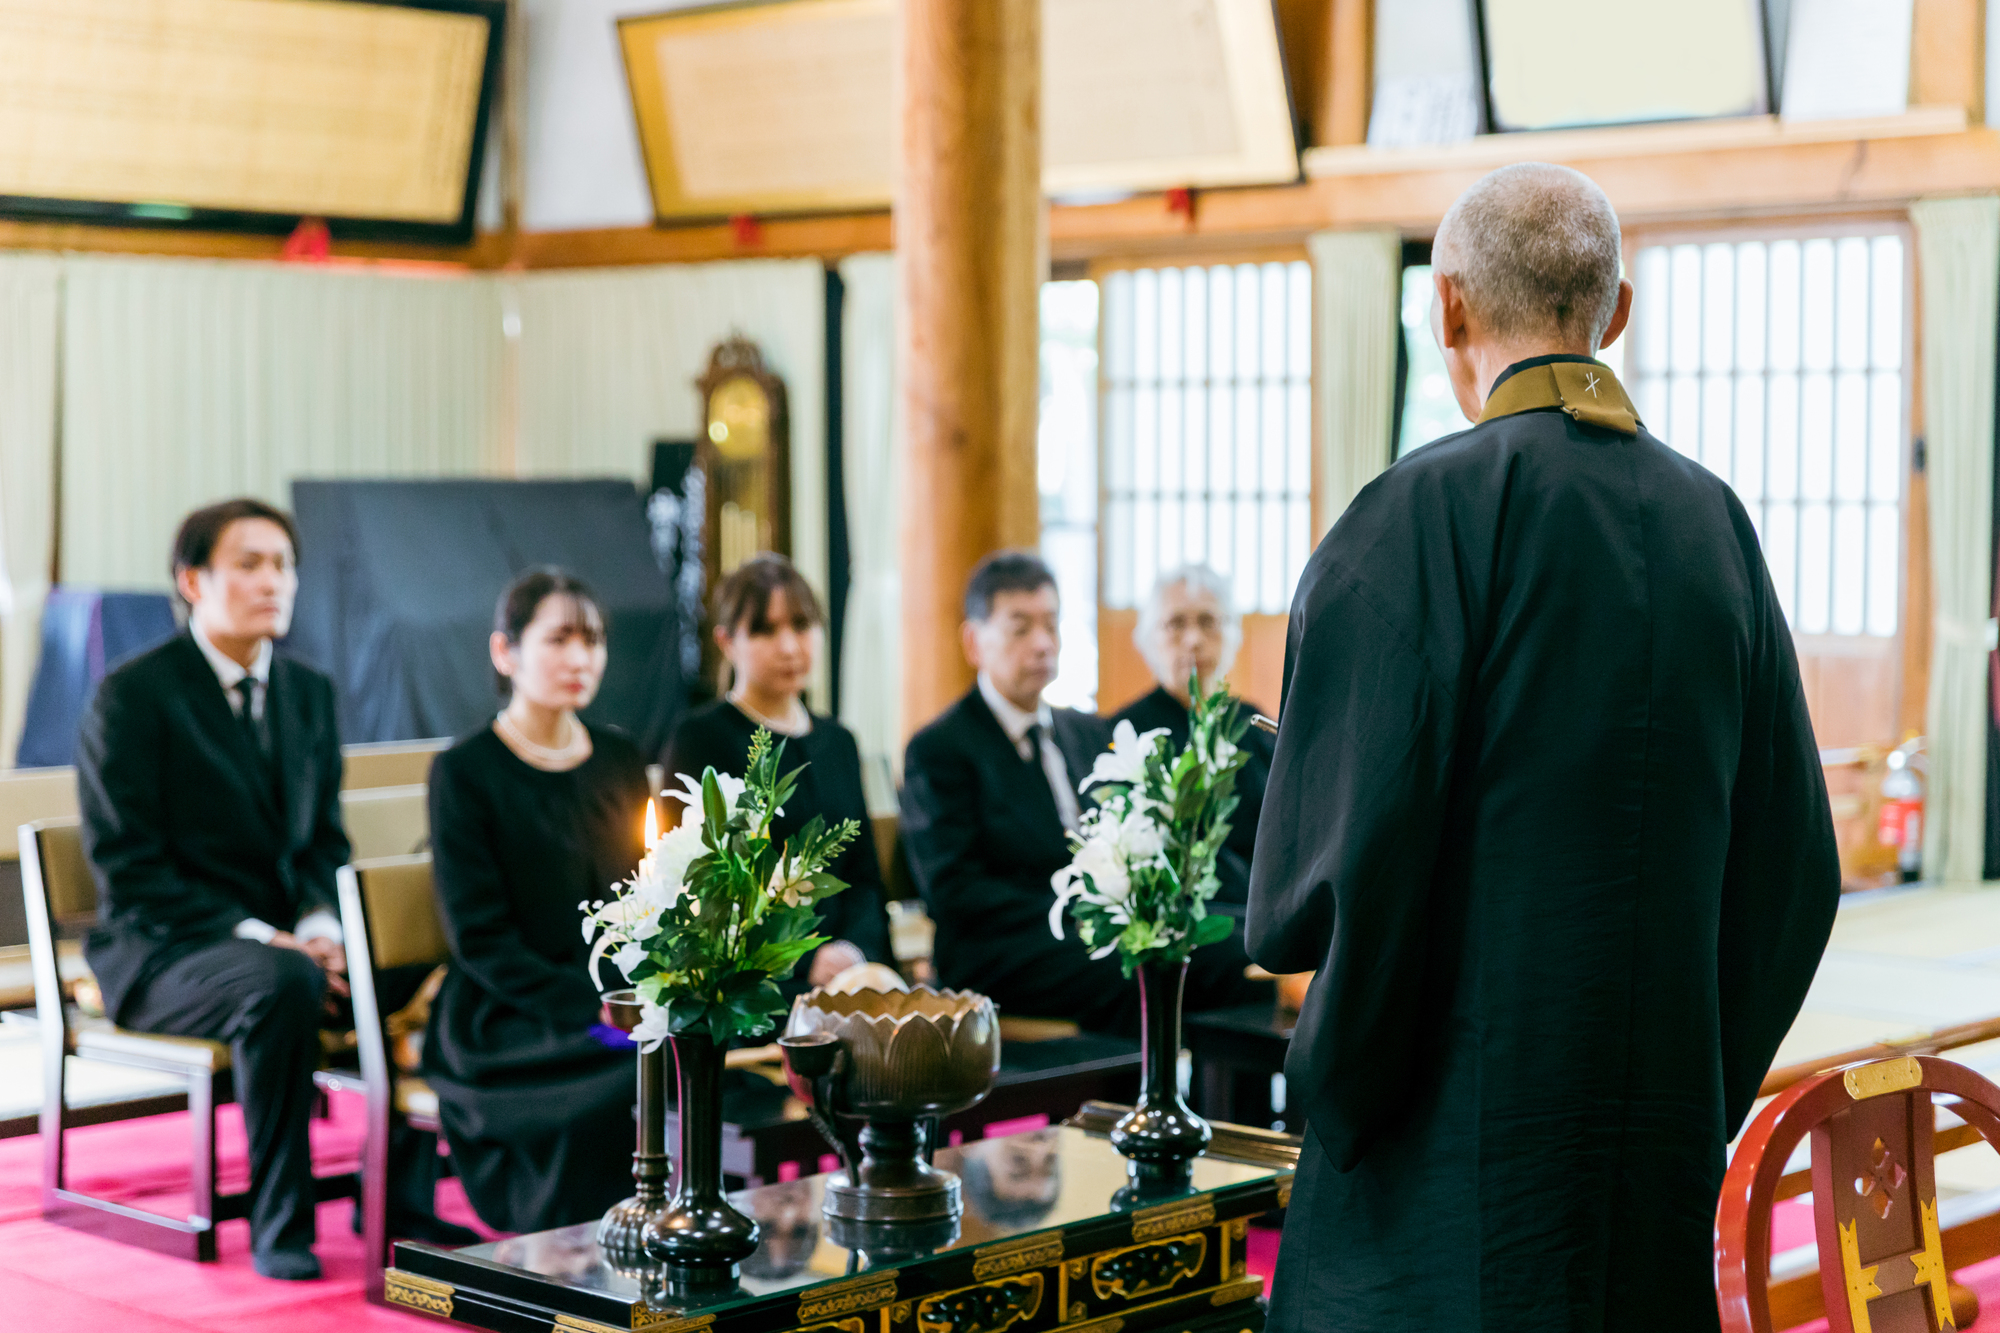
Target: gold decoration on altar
869,1290
1014,1255
1247,1289
1141,1270
985,1307
1168,1219
1113,1325
649,1320
851,1324
417,1293
1285,1190
1235,1260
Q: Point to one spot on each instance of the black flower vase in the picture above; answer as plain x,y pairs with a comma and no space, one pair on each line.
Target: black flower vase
699,1238
1160,1136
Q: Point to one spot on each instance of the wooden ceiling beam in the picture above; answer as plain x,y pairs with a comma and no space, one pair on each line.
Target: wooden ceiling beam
489,250
1653,174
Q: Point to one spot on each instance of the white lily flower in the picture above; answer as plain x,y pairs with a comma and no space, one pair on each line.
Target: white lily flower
789,885
689,795
654,1027
1109,879
628,958
1139,839
1125,761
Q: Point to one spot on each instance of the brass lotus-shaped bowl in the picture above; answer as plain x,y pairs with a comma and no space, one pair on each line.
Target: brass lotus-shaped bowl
908,1054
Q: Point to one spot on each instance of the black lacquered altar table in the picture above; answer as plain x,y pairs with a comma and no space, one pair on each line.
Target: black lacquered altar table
1043,1246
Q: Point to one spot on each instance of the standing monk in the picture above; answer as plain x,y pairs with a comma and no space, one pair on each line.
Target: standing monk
1547,816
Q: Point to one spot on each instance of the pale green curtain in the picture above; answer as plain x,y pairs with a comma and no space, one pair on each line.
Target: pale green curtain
871,666
1357,282
608,361
186,382
1958,253
29,287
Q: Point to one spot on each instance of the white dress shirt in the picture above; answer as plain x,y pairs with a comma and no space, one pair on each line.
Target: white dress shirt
313,925
1016,723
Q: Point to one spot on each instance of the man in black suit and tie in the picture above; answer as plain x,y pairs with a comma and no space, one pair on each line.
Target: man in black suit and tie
209,777
989,798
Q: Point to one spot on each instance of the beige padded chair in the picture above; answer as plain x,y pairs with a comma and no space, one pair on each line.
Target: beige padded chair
386,821
26,795
389,914
388,763
61,896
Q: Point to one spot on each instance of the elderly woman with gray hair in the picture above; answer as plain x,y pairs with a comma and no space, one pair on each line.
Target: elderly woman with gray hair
1188,627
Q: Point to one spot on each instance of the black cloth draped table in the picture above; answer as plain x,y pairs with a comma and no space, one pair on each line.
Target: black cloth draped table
1045,1244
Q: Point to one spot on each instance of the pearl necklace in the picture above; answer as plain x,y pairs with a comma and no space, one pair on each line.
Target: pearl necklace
792,726
558,759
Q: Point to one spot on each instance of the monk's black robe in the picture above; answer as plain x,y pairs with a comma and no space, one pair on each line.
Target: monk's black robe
1547,814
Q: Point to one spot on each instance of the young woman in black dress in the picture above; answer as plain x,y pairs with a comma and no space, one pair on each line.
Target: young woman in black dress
530,816
768,624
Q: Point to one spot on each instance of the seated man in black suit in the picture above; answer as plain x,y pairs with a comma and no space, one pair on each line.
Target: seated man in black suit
209,777
989,796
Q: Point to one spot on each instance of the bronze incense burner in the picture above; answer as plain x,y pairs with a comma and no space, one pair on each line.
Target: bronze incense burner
878,1070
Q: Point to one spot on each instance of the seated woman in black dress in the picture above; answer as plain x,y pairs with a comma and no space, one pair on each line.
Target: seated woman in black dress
531,815
768,624
1188,626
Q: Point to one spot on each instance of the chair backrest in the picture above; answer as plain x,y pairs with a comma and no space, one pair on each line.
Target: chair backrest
388,912
58,891
54,849
897,881
386,821
31,794
392,920
388,763
1875,1207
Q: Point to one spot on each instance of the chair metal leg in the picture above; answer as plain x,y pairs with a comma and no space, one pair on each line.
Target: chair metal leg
201,1167
374,1200
54,1069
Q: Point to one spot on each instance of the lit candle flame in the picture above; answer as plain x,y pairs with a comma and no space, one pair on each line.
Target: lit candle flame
652,824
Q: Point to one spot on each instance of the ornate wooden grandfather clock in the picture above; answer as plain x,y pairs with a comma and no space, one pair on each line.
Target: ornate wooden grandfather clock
744,453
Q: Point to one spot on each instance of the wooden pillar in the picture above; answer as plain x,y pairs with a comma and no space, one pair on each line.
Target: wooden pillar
971,232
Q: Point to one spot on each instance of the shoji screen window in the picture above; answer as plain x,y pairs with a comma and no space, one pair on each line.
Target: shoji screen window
1781,366
1207,431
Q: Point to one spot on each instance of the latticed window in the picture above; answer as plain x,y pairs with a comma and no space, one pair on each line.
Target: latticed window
1207,448
1779,365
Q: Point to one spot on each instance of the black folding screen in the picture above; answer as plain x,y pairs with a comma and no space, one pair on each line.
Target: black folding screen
398,580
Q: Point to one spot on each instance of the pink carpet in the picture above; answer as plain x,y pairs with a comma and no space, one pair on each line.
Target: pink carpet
54,1280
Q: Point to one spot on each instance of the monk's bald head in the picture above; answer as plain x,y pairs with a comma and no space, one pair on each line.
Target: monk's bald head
1534,248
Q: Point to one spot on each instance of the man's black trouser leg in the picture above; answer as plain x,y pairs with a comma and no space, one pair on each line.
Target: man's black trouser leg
266,1003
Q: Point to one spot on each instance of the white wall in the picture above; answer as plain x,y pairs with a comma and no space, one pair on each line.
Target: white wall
581,163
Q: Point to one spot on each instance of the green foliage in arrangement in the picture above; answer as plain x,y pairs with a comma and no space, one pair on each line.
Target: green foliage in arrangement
719,911
1143,871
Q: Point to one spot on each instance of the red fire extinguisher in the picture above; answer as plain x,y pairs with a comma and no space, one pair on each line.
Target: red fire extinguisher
1902,818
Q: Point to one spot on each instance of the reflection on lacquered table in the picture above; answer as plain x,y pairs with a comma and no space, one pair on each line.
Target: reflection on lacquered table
1043,1214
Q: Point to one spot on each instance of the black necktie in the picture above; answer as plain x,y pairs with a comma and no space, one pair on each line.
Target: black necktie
1033,735
257,734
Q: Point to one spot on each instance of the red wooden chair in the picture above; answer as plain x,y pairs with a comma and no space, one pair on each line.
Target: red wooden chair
1875,1210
